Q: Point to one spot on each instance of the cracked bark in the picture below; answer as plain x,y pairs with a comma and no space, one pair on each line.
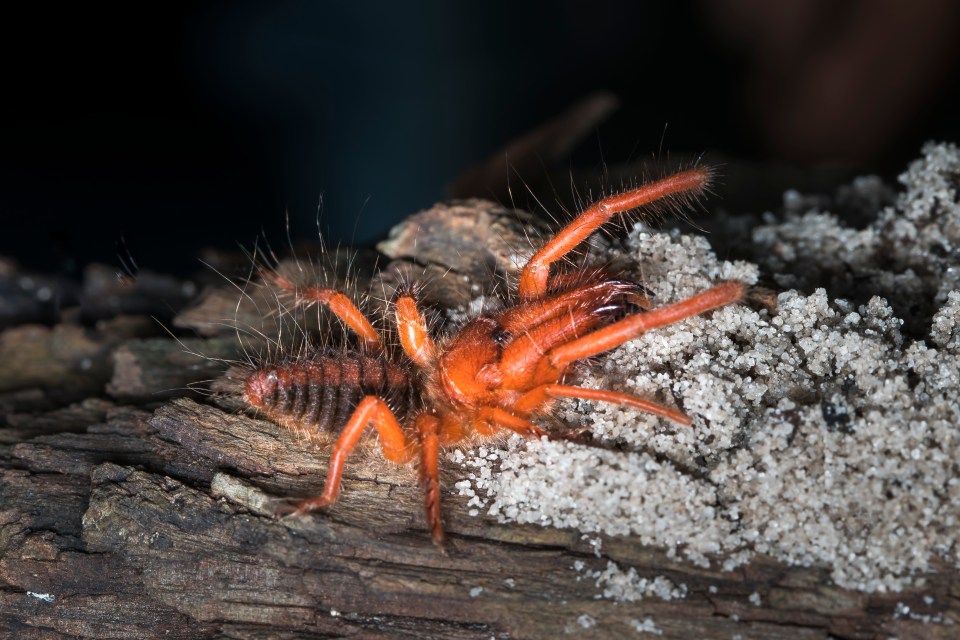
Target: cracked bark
139,517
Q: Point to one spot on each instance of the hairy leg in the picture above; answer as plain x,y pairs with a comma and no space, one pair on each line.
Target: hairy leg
534,277
428,428
537,397
394,442
414,337
633,326
338,304
507,420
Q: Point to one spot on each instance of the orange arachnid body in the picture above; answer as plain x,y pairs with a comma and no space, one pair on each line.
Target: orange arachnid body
499,372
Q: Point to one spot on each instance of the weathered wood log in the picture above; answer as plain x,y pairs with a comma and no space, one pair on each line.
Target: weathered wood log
120,521
154,369
162,526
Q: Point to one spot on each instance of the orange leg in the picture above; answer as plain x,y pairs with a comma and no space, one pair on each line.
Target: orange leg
414,337
507,420
629,328
531,400
428,428
338,304
396,447
533,278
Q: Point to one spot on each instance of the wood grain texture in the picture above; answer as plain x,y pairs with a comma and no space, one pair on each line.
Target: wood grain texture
160,525
142,517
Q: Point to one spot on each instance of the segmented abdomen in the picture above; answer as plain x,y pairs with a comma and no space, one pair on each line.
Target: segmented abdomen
322,393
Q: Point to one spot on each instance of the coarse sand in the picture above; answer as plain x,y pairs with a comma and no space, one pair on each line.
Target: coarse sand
824,434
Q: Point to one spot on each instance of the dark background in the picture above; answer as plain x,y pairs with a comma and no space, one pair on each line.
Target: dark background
185,126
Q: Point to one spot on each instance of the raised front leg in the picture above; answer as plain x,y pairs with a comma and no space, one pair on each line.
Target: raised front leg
534,277
338,303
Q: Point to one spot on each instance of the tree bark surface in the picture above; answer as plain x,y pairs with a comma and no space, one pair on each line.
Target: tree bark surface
143,525
140,516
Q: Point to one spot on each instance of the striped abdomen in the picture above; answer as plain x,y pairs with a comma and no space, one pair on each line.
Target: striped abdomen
322,393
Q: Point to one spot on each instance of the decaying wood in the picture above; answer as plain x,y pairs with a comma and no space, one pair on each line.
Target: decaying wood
161,526
473,238
119,520
154,369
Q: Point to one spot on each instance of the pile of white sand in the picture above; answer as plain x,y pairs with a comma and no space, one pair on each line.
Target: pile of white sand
821,435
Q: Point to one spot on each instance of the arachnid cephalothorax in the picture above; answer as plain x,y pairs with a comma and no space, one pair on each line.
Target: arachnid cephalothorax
500,371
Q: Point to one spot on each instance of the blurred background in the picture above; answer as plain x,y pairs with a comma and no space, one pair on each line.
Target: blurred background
202,124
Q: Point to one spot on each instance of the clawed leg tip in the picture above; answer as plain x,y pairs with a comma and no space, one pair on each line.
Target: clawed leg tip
295,509
285,512
438,537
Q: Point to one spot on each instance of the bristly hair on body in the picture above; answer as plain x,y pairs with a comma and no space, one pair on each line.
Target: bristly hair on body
291,338
424,387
